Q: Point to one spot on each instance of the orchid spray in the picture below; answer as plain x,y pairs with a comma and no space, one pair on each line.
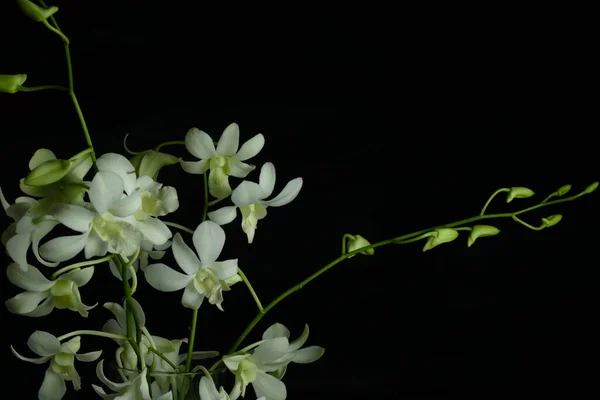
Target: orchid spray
116,208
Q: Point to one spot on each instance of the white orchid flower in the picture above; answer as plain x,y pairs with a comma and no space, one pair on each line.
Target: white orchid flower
266,365
250,197
203,277
29,228
108,225
62,362
69,189
60,293
224,161
133,389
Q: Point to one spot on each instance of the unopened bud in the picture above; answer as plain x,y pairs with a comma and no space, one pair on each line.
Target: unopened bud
36,12
358,242
11,83
563,190
519,193
591,188
551,220
481,231
48,172
150,162
439,236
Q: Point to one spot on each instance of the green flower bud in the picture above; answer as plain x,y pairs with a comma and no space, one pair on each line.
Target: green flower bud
34,11
11,83
439,236
358,242
48,172
551,220
563,190
591,188
481,231
519,193
150,162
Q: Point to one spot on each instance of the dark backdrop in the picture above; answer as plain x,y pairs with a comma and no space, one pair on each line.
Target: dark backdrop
395,126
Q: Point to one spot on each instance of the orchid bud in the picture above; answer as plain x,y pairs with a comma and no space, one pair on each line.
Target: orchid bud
481,231
356,242
150,162
34,11
48,172
591,188
519,193
563,190
11,83
551,220
439,236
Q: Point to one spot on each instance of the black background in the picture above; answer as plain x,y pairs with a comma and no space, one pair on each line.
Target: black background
396,123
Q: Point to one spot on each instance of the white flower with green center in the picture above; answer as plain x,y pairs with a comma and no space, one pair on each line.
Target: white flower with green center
62,362
250,197
69,189
62,293
204,276
224,161
157,200
266,365
29,228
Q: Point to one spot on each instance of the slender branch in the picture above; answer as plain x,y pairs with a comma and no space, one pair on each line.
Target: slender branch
43,87
183,228
251,289
92,333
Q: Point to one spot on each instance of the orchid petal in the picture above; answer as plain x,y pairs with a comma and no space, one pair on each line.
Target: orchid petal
240,169
207,389
271,350
163,278
95,246
79,276
40,360
195,167
72,216
247,193
17,247
43,343
155,230
63,248
308,354
32,279
289,193
185,257
53,387
106,189
25,302
229,141
209,239
251,148
43,309
199,144
269,386
127,205
191,297
296,344
120,165
223,215
266,179
225,269
276,330
89,357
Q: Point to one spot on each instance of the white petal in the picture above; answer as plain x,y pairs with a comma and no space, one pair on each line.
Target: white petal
191,298
270,350
223,215
25,302
115,387
106,189
155,230
42,230
127,205
32,279
240,169
40,360
276,330
185,257
100,392
43,343
269,386
121,166
79,276
163,278
5,204
208,239
207,389
84,164
119,313
289,193
308,355
89,357
229,140
74,217
43,309
199,144
195,167
225,269
169,201
249,231
266,179
296,344
53,387
167,396
63,248
40,157
95,246
251,148
247,193
17,247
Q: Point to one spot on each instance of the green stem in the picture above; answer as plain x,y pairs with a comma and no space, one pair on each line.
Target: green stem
130,309
134,153
91,333
157,148
188,362
161,355
487,203
181,227
251,289
346,236
215,201
520,221
55,28
43,87
398,240
81,264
